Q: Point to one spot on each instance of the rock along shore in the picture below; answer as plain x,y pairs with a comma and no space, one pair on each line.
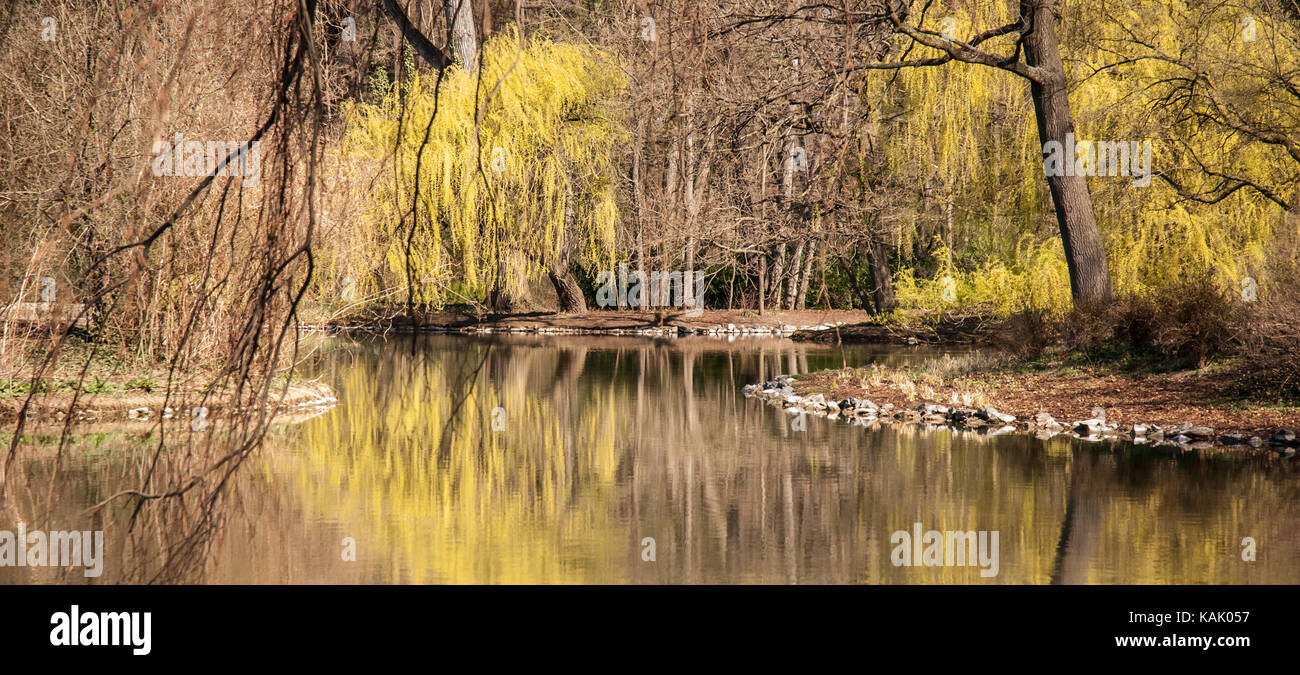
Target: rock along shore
987,420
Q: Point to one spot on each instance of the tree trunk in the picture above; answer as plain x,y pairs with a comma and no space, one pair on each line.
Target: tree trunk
796,269
417,40
638,201
802,298
1085,255
485,20
567,289
464,41
688,275
503,297
882,285
778,276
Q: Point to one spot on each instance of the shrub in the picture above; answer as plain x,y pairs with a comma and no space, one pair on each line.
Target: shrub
1196,321
1270,331
1184,325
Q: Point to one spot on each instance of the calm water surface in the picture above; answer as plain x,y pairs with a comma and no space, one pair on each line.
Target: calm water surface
453,459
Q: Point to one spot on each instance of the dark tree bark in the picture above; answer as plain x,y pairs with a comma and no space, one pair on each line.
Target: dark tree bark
421,44
1085,255
882,285
567,289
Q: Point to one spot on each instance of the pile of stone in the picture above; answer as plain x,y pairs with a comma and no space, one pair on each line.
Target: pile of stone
780,391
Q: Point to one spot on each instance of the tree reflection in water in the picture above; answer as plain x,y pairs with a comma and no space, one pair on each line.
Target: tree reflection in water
606,441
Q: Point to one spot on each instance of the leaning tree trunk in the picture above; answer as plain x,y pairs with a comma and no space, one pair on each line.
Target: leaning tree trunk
421,44
460,16
1084,253
567,289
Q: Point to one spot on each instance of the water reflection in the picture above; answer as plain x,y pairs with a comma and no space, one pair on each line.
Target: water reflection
603,442
549,460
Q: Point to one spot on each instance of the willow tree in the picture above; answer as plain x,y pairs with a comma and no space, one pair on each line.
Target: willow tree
1035,56
473,168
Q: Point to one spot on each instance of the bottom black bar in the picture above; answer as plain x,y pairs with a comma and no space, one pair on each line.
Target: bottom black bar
239,625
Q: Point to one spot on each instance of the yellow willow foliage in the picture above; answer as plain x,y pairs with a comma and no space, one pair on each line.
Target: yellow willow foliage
970,130
1152,237
951,109
965,130
1037,278
536,176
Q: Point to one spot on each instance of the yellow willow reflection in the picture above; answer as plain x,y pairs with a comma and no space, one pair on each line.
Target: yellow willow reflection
606,441
455,492
603,442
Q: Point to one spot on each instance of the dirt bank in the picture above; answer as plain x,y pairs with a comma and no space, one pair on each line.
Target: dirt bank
1196,398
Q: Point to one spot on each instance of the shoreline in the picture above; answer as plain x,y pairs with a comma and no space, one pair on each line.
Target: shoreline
720,323
813,326
141,409
874,394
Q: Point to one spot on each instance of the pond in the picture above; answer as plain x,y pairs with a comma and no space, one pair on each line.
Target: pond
524,459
